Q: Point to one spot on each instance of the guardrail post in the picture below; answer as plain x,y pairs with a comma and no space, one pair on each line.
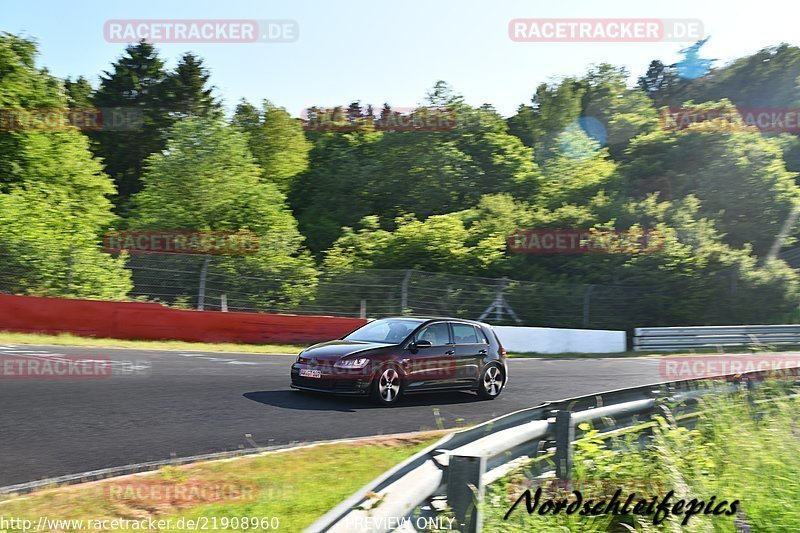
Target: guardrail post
751,397
465,490
565,434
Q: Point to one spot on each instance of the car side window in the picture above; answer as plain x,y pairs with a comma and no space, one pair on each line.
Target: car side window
438,334
465,334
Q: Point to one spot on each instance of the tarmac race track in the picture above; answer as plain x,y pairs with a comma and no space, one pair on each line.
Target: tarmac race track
162,404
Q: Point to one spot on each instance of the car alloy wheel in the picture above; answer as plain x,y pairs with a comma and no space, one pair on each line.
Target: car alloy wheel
492,382
388,386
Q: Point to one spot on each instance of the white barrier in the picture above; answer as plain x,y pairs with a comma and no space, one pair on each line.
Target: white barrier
557,340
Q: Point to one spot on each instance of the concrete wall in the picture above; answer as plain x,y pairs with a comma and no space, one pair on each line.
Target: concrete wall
556,340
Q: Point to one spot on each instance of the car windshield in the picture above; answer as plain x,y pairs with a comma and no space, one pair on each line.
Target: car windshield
389,331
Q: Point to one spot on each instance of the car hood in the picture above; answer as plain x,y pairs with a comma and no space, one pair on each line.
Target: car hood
335,350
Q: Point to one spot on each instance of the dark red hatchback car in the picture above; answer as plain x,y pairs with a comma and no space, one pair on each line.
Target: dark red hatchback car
390,357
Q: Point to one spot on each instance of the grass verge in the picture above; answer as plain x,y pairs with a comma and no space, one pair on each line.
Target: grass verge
289,489
67,339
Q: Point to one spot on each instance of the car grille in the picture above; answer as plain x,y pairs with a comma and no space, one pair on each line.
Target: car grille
347,385
343,385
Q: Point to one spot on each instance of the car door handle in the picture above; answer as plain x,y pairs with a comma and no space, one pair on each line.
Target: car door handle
450,352
483,352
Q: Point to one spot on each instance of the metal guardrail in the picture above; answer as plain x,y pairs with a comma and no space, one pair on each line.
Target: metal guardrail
453,472
679,338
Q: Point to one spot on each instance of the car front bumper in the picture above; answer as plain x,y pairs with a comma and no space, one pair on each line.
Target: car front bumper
332,381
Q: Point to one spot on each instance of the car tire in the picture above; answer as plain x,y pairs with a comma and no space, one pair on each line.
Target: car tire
492,381
387,386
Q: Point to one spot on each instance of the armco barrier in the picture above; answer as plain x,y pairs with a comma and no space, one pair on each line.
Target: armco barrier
151,321
690,337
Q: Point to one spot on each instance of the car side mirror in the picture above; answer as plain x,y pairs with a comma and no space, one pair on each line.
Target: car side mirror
416,345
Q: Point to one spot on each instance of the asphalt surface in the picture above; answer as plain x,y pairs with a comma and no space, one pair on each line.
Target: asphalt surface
161,404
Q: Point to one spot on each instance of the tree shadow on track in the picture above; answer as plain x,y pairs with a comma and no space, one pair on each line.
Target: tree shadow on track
310,401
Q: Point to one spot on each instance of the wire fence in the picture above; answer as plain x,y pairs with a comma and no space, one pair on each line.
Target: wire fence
196,283
226,283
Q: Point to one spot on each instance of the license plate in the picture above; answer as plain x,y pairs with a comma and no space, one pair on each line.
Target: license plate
306,373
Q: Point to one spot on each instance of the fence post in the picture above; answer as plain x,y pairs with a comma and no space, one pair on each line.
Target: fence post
69,271
363,312
465,490
587,296
201,292
565,434
404,292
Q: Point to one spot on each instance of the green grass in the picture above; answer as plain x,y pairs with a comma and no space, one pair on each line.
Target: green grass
67,339
736,451
296,486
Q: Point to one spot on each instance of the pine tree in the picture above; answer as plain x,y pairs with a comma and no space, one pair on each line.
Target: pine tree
79,93
186,90
134,85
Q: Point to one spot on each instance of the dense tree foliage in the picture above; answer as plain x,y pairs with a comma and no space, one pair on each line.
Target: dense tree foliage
148,100
600,104
276,140
438,188
431,171
207,180
54,202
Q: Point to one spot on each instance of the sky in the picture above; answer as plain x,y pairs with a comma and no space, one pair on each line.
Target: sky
392,51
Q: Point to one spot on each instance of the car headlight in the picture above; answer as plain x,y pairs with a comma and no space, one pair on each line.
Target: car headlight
352,363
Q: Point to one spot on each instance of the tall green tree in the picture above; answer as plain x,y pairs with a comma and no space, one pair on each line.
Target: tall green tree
276,140
140,101
661,83
187,92
207,179
600,103
79,93
333,192
54,204
135,86
552,109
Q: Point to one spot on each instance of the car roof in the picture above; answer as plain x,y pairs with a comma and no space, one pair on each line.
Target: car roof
422,319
